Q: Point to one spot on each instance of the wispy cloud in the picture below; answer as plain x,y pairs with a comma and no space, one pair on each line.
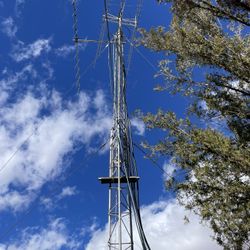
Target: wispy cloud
67,192
66,50
15,200
47,203
138,125
55,236
18,6
23,52
90,229
165,229
10,81
50,203
170,170
54,127
8,27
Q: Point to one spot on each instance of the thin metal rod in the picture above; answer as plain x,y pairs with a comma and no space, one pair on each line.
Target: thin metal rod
88,41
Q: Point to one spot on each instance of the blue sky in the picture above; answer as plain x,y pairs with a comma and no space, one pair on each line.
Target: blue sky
50,197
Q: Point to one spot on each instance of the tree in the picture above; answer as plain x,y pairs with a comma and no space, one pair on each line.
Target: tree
212,37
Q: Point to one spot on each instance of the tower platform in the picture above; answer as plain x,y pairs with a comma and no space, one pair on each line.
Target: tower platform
123,179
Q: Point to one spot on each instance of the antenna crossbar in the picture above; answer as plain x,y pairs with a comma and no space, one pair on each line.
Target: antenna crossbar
78,40
125,21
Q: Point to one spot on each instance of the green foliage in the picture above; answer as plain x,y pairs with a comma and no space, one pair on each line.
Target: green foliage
236,10
208,36
217,175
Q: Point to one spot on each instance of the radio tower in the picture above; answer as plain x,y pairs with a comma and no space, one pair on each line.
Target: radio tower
122,181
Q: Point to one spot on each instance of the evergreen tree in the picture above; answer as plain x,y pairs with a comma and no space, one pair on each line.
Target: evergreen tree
209,38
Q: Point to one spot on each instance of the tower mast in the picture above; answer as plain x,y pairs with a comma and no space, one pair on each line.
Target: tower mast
122,170
123,208
123,177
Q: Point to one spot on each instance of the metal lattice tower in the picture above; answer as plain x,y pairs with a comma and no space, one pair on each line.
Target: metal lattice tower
123,177
123,209
122,170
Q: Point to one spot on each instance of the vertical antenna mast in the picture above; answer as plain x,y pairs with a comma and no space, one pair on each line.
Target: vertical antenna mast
122,172
123,178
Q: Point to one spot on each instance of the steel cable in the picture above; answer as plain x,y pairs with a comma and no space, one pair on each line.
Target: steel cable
110,60
76,42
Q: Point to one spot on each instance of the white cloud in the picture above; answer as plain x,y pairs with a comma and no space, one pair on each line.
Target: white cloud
55,237
170,170
15,200
67,191
54,127
8,27
66,50
19,4
138,125
165,229
22,52
50,71
49,203
3,97
89,230
8,84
